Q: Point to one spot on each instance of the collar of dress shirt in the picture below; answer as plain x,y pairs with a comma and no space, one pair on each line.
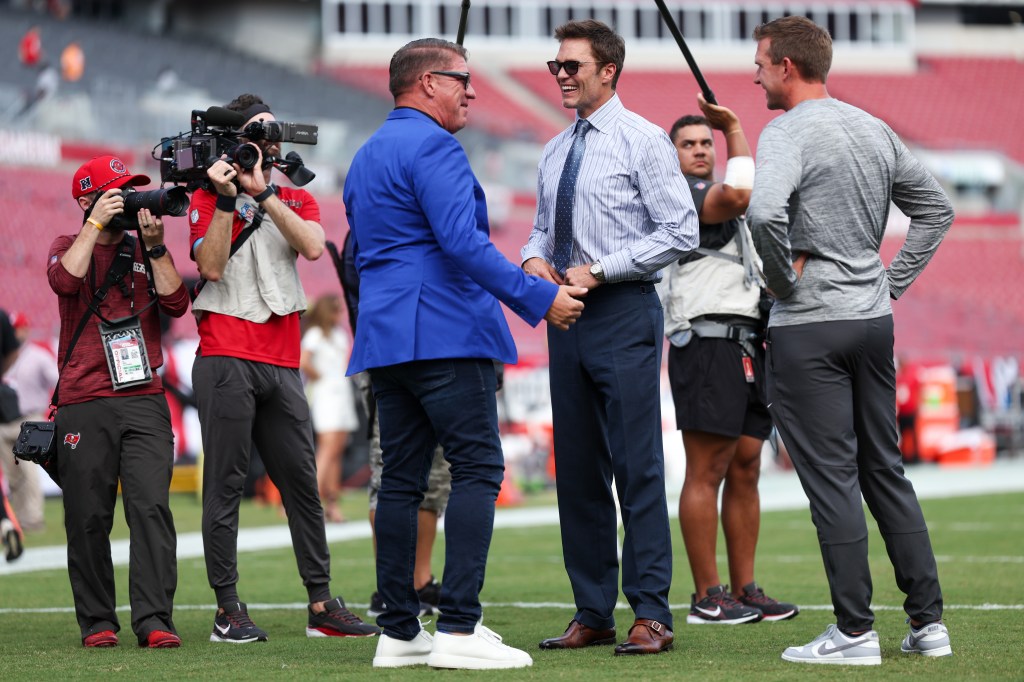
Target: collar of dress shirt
604,118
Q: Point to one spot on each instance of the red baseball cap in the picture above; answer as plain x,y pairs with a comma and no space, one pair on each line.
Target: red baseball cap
103,173
19,320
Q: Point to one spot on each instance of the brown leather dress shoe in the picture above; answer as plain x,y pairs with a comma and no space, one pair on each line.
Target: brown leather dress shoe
646,637
578,635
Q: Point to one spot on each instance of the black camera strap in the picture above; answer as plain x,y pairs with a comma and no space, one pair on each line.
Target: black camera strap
121,266
235,245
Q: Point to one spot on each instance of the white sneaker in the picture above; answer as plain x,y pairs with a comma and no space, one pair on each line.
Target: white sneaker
928,640
397,653
832,646
481,650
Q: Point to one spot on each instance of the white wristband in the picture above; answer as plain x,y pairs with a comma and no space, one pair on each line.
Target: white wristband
739,172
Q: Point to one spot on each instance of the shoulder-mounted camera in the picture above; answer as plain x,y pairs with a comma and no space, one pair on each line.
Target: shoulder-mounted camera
216,132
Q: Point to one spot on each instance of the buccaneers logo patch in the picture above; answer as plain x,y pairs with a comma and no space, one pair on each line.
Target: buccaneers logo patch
72,439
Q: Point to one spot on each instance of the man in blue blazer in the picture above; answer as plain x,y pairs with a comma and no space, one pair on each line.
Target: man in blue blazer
429,327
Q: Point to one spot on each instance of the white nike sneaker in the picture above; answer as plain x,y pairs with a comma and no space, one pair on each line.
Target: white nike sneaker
397,653
482,650
928,640
834,647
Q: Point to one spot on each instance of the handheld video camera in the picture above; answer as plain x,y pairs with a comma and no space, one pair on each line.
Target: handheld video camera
184,159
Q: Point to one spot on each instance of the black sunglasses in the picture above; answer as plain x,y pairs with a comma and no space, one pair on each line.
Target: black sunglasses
460,75
572,67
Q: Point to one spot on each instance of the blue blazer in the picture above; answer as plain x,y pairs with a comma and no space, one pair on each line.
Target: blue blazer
429,277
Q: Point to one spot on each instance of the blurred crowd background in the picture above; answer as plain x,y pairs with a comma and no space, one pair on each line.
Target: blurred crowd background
81,78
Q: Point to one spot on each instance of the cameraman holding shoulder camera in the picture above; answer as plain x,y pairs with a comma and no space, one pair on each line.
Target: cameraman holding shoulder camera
112,422
246,237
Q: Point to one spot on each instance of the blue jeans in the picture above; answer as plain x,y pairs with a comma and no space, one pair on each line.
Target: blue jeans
421,404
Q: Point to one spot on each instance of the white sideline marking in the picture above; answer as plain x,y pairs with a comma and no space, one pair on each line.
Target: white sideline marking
682,608
778,491
940,558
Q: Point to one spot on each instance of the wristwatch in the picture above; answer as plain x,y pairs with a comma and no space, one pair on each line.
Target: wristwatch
597,271
158,251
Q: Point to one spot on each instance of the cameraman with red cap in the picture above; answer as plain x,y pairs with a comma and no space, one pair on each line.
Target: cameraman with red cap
113,425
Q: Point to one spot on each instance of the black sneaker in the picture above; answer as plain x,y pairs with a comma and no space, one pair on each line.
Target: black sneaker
11,539
771,609
720,607
233,625
377,605
337,621
430,597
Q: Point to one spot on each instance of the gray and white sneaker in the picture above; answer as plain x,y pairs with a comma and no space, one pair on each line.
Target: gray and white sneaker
834,647
928,640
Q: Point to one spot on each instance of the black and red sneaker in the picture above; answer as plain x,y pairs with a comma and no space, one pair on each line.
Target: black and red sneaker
719,606
100,640
337,621
233,626
773,610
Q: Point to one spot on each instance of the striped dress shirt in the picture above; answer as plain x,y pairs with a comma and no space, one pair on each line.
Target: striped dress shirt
633,211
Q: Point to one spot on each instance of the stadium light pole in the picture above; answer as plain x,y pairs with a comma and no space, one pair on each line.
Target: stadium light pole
674,30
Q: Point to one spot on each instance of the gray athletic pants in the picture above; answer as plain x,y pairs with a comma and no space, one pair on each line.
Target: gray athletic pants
832,395
240,403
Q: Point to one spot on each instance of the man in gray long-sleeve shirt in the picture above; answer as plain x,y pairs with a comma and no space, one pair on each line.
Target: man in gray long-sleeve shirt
826,174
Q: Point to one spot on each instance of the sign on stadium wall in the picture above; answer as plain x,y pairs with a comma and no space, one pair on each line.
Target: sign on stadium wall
29,148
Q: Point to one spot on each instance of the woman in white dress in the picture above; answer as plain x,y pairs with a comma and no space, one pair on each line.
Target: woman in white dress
325,351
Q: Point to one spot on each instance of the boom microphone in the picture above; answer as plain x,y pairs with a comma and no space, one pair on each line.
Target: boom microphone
670,22
221,117
463,19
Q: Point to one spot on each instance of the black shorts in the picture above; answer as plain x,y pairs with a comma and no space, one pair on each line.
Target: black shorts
711,392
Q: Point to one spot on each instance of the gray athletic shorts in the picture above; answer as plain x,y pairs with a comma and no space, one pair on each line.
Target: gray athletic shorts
439,483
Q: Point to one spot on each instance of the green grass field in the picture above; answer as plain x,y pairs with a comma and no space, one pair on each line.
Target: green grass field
977,541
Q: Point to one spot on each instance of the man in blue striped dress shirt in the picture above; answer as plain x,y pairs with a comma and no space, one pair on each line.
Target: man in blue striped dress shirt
613,209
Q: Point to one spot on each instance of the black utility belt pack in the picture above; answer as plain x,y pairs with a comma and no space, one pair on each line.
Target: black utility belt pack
36,443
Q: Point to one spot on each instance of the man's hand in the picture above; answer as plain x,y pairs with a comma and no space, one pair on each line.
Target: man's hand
565,309
222,175
252,180
580,276
151,228
541,268
799,263
107,206
719,117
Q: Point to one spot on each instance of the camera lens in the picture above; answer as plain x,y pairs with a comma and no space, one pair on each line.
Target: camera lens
168,201
245,155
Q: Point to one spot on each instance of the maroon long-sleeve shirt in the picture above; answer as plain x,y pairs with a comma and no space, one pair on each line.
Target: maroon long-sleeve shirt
87,377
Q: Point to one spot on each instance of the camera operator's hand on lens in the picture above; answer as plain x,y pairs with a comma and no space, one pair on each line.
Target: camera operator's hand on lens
222,174
151,228
252,180
110,204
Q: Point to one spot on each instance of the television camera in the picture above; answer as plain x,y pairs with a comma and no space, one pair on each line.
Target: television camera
185,158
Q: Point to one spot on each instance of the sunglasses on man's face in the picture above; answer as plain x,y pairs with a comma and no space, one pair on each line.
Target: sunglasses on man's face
572,67
458,75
